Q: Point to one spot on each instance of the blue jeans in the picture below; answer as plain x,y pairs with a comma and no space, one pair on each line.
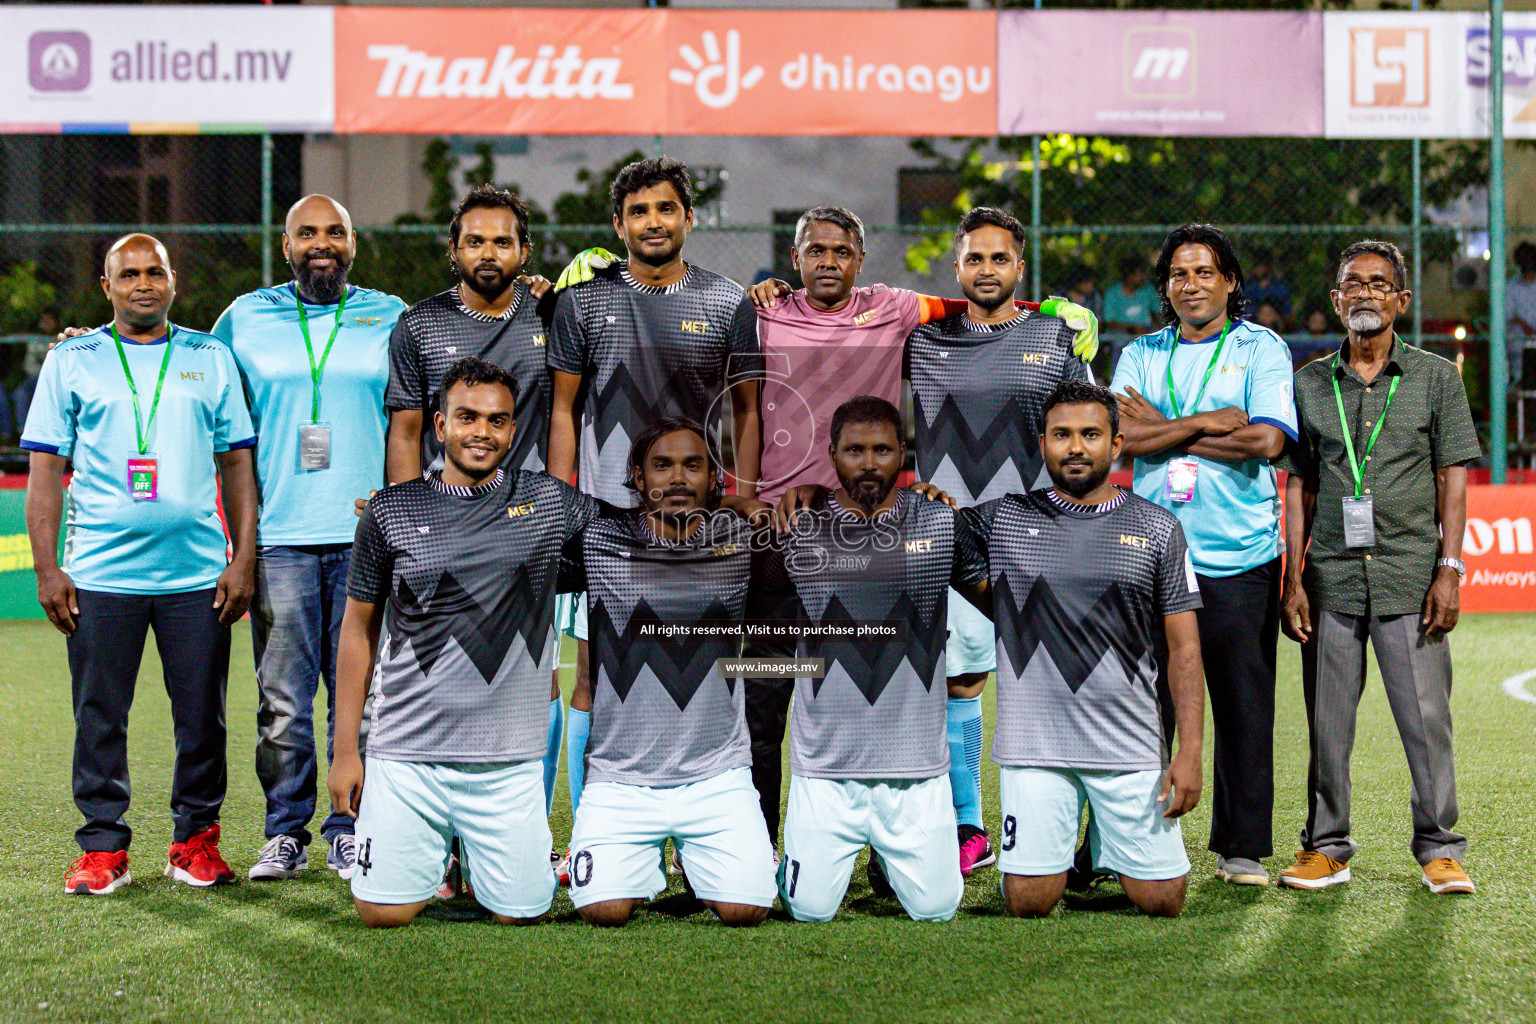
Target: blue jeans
301,593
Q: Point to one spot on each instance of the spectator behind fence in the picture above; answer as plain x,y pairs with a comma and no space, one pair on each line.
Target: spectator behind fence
1318,337
1390,575
1520,306
1130,307
1082,290
1268,316
32,365
1264,288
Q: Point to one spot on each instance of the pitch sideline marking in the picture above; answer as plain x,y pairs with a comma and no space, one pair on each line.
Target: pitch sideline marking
1515,686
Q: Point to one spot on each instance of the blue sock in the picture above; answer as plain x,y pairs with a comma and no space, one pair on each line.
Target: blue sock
579,727
962,719
552,752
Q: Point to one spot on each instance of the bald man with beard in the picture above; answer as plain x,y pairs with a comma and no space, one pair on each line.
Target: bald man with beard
314,355
153,419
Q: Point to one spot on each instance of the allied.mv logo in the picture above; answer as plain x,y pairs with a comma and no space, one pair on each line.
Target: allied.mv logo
1389,67
59,61
717,80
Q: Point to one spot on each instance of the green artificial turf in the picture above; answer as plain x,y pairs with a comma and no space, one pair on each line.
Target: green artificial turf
1378,949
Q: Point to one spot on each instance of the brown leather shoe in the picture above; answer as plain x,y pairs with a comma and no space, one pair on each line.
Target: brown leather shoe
1444,875
1314,870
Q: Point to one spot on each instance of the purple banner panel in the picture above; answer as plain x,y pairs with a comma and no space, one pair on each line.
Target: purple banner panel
1160,73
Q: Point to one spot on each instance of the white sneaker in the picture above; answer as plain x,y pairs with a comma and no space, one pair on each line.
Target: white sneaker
342,856
281,857
1241,871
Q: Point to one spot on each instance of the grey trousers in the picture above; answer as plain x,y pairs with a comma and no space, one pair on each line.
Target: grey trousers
1416,674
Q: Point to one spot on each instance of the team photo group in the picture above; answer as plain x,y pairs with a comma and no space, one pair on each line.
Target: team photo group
707,486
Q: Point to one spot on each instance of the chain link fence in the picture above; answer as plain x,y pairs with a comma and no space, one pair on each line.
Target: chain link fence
1096,208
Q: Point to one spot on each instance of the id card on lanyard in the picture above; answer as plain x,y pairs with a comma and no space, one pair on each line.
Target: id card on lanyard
1359,508
1184,473
143,476
315,436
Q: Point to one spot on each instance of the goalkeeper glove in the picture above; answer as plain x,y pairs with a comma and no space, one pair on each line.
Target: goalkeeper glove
582,266
1081,319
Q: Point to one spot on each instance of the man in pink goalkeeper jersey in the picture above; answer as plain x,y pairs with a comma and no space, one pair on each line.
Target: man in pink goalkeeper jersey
822,345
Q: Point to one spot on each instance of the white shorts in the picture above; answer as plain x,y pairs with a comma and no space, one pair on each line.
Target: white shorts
1042,808
717,824
909,822
571,614
972,645
411,812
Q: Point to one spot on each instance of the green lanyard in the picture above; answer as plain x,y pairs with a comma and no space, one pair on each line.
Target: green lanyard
1173,397
138,425
1349,441
316,372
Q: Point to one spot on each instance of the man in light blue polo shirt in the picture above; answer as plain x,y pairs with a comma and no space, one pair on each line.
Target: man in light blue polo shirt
314,354
153,417
1206,404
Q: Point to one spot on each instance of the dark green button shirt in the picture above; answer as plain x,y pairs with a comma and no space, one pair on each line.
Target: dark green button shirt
1428,427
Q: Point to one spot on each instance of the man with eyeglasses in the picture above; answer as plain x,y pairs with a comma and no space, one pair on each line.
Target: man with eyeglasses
1378,486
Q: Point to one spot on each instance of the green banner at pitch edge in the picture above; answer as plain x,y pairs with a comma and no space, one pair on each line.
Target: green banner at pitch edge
18,585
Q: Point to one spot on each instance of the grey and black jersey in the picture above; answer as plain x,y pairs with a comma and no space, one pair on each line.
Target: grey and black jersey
645,352
878,712
439,331
1078,599
468,645
978,393
662,715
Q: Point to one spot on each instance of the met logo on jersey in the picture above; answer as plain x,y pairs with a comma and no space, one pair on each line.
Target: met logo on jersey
369,321
539,340
1133,541
864,318
514,511
1035,358
694,326
725,549
1234,369
193,375
918,546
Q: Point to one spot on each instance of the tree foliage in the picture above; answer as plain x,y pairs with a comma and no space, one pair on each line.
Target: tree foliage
1102,198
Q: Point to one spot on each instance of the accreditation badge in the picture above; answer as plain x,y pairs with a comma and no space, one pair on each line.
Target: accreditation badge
144,478
1359,522
1182,474
314,446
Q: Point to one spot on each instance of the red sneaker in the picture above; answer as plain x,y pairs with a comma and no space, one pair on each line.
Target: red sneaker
197,861
98,873
975,850
562,868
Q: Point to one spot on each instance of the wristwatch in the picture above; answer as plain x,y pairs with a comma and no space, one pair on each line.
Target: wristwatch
1454,563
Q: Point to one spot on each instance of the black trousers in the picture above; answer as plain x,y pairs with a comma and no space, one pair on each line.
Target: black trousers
767,713
1239,630
104,655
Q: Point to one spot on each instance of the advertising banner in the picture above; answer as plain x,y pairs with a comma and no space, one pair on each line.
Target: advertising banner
160,68
1404,75
1193,73
831,72
1500,550
504,70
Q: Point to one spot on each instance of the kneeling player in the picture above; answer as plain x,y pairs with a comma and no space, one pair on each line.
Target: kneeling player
869,753
459,568
1082,576
668,756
